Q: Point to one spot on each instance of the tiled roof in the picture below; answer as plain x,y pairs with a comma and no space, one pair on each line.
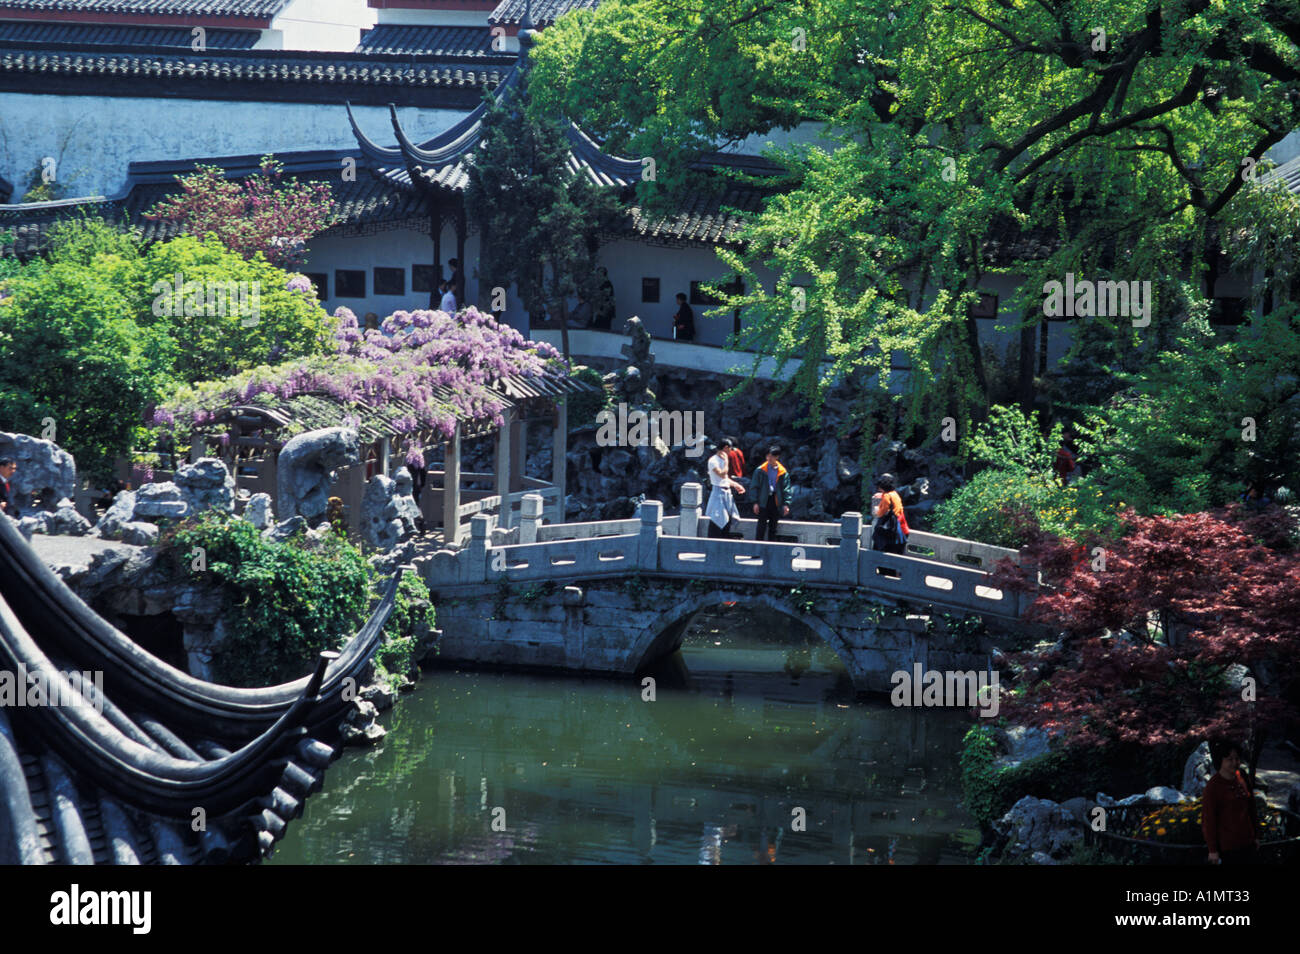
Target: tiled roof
544,12
18,32
120,787
1287,172
260,9
367,199
254,68
703,218
443,42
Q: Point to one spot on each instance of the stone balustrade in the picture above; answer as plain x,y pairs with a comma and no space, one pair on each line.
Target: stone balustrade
937,570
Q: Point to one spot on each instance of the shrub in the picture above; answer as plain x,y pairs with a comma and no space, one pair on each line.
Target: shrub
287,601
1007,508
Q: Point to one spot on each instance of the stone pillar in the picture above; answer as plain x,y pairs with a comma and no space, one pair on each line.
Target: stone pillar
692,495
850,541
476,567
451,488
647,550
385,452
503,468
559,450
530,514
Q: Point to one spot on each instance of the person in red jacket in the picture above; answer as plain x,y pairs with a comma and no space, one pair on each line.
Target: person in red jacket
1228,809
736,458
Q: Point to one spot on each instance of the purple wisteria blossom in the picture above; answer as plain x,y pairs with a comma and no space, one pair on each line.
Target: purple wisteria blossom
425,368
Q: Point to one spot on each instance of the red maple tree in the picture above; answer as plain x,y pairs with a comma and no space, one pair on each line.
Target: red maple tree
261,214
1146,644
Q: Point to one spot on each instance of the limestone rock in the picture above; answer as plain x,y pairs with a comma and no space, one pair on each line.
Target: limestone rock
285,529
306,467
1197,771
258,512
160,500
387,515
1021,743
119,512
138,533
37,521
44,468
1163,795
67,521
1038,825
206,484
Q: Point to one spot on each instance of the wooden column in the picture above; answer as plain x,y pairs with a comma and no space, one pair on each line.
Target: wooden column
502,470
559,450
461,229
451,488
518,450
435,219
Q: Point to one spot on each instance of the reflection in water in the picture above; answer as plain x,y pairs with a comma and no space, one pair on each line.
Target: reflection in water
751,721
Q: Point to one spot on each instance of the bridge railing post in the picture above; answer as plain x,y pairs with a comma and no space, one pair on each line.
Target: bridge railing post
530,517
850,542
477,553
689,522
647,549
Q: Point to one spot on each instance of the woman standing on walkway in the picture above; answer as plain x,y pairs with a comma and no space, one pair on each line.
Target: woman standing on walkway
1228,809
722,507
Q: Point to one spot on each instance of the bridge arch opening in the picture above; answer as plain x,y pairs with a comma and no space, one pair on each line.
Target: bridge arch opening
792,642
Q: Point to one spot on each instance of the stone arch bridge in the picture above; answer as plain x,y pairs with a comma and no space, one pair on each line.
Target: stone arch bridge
615,596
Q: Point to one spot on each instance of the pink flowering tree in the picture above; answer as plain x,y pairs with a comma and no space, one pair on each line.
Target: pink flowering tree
264,213
441,366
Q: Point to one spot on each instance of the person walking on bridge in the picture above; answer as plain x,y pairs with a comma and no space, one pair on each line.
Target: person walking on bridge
891,530
722,506
771,486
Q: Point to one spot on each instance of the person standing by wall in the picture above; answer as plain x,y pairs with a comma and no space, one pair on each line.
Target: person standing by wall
457,280
771,485
603,307
1228,818
683,320
448,298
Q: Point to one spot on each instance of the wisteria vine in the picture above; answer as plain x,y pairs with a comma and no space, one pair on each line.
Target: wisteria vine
411,354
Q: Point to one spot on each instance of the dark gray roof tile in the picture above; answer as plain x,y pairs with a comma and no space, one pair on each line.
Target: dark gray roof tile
544,12
258,9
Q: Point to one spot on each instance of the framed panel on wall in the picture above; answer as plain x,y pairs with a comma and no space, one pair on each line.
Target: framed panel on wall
349,283
390,281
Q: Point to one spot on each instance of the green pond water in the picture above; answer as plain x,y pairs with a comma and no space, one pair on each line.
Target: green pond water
751,720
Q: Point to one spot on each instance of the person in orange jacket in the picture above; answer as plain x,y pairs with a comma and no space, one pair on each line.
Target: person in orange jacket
891,530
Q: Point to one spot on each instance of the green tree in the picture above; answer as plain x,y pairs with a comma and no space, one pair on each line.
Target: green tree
969,140
238,313
70,351
539,219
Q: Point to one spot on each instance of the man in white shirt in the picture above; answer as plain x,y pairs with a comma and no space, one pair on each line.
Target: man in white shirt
448,298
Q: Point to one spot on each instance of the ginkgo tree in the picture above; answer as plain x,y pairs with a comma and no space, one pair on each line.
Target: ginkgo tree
1121,140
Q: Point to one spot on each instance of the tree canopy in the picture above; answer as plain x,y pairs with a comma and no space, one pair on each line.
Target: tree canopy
1117,140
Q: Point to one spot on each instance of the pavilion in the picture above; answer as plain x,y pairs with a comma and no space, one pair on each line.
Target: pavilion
250,436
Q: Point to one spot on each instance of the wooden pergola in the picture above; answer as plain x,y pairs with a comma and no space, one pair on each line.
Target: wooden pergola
249,437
